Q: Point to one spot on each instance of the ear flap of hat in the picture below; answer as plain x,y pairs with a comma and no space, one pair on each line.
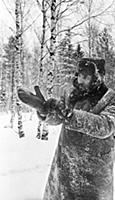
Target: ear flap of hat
100,66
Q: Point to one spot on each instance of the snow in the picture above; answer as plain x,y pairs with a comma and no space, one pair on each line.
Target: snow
25,162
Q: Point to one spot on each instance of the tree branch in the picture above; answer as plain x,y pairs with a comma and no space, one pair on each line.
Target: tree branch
31,23
40,41
91,17
40,6
8,10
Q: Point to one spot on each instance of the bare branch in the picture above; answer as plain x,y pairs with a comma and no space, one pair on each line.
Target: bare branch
102,22
12,29
8,10
31,23
28,11
84,20
40,40
40,6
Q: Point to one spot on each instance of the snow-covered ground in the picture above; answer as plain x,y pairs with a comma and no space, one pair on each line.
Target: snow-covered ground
24,162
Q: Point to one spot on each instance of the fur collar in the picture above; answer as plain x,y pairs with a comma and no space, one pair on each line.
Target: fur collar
96,94
104,101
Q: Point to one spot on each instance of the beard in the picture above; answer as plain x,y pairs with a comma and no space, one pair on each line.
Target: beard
83,88
77,94
82,91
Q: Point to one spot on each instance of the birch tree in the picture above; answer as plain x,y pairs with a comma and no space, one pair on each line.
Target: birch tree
22,43
42,133
18,65
91,15
11,59
51,66
3,88
13,103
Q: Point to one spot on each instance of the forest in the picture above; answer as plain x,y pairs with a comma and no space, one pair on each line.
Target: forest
44,43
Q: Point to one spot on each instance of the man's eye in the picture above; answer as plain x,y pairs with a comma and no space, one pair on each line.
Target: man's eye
80,76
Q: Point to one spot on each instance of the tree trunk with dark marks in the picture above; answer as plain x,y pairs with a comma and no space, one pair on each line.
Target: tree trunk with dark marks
44,131
51,69
18,64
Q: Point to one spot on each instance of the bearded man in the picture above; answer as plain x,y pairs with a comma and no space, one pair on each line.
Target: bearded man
85,151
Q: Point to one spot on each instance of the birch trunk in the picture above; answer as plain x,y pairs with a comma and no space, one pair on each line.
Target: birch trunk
18,64
3,88
13,92
51,70
22,47
41,71
42,41
89,27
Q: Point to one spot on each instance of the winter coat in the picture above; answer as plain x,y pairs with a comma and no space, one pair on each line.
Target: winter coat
83,165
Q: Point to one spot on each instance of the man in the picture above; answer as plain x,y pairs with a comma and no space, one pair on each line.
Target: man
87,111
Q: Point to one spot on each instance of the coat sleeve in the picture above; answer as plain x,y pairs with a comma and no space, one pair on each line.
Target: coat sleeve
57,116
53,119
99,126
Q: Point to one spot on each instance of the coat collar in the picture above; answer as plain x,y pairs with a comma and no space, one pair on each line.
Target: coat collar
104,101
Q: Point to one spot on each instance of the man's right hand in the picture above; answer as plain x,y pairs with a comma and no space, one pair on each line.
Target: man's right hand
32,100
43,107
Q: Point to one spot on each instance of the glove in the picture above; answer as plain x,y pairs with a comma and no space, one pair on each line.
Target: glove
39,94
35,101
43,107
51,105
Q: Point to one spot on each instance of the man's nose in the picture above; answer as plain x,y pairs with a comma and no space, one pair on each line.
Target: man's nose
80,80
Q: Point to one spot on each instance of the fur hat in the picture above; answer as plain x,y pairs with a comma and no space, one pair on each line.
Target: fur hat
92,66
86,67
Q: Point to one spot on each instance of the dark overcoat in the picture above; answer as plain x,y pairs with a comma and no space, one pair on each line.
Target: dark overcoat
82,168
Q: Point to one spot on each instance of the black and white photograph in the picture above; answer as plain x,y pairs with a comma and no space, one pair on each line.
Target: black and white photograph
57,99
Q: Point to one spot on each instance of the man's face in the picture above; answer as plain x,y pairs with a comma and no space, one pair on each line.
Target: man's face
84,81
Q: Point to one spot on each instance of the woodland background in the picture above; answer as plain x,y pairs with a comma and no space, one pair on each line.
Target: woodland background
44,41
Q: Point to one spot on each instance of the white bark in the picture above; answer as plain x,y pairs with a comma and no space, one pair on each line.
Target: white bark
51,70
18,63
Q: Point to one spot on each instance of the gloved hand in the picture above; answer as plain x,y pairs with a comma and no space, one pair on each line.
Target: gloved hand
35,101
53,106
42,106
